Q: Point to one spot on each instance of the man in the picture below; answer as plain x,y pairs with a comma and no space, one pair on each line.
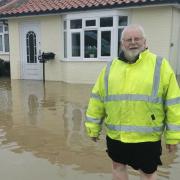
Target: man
138,98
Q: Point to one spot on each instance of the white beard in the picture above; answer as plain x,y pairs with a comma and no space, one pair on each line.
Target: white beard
131,55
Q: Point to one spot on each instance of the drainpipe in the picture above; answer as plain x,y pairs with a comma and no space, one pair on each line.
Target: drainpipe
171,47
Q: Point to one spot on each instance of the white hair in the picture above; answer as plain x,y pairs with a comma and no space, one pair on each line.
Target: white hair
133,26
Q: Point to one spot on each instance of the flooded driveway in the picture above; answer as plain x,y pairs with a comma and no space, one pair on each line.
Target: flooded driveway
42,135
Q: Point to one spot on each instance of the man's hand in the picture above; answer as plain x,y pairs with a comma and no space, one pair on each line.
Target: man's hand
95,139
171,147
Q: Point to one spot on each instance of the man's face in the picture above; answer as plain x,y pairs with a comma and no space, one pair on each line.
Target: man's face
133,43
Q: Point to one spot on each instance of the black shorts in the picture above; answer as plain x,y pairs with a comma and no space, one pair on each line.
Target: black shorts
140,156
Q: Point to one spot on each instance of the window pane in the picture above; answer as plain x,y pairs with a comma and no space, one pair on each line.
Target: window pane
90,42
1,29
106,22
119,40
6,42
76,44
6,28
123,20
90,22
65,24
1,43
106,43
76,24
65,44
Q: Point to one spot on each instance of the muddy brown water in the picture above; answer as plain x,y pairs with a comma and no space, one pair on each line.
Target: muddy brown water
42,135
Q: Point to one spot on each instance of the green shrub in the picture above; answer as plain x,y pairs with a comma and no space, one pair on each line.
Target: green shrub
4,68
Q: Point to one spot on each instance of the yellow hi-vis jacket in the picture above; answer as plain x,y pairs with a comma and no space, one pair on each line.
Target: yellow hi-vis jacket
137,102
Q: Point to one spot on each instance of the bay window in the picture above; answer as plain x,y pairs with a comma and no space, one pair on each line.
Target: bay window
93,38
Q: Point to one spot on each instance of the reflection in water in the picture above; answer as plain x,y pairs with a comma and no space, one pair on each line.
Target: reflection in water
73,121
33,108
33,104
43,126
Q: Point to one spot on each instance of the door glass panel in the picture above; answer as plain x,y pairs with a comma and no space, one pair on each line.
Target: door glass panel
31,47
90,42
105,43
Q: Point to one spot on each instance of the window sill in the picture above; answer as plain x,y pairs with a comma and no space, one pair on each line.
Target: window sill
105,59
4,53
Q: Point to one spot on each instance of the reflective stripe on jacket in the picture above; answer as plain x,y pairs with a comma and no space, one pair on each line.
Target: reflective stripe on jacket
138,102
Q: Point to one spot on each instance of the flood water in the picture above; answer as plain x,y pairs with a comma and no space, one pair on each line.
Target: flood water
42,135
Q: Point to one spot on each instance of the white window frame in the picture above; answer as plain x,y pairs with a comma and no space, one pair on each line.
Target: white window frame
3,41
93,16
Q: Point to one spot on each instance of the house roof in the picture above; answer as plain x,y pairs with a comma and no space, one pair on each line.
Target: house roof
34,7
3,2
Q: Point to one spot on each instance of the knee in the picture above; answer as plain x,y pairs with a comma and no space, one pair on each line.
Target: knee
118,166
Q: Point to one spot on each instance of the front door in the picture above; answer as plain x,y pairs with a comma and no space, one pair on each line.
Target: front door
31,68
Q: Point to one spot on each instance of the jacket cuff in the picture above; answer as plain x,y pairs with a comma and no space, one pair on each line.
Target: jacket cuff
92,133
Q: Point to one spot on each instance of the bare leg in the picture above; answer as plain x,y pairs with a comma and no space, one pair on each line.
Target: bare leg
145,176
119,171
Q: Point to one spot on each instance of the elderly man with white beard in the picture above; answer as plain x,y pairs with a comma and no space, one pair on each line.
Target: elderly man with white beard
137,97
